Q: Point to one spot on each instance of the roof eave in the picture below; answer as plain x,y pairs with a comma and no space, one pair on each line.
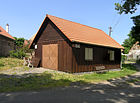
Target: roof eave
73,41
8,37
37,32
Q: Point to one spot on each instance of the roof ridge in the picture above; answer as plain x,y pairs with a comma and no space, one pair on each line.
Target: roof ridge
74,22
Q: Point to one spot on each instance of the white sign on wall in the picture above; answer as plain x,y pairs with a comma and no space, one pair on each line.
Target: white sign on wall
77,45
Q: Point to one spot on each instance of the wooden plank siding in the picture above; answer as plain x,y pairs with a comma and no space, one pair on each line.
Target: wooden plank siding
65,57
100,58
52,35
71,59
6,45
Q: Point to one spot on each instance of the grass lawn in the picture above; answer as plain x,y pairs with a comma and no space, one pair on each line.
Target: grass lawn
126,70
8,63
44,80
129,62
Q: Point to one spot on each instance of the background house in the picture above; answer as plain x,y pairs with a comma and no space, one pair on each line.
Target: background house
134,53
72,47
28,42
6,41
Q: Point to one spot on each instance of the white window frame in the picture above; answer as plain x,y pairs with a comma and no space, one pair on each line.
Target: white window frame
111,55
89,54
35,46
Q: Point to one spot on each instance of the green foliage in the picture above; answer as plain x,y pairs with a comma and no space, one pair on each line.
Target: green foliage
19,42
128,43
127,6
18,53
130,6
118,8
20,50
136,28
123,58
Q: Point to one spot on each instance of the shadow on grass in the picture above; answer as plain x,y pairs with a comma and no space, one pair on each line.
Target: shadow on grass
37,88
27,82
67,91
130,67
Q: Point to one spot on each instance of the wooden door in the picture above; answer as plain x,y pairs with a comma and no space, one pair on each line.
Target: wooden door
50,56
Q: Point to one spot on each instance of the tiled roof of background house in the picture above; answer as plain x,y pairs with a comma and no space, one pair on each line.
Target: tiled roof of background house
4,33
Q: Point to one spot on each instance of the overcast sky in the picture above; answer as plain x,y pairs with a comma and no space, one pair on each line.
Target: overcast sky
26,16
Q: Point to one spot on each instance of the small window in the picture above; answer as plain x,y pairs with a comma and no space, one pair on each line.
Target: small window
35,46
88,53
111,55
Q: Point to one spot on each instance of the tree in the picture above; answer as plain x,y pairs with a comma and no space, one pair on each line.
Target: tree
20,50
19,42
130,6
128,43
127,6
136,28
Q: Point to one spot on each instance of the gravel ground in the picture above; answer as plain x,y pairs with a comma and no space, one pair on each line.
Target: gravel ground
25,71
22,70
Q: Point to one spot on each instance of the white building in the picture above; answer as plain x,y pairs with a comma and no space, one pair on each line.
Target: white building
134,52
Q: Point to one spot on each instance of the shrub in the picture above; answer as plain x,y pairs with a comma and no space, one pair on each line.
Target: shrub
20,50
18,53
123,58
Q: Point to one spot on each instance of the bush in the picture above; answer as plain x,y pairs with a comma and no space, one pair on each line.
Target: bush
123,58
19,53
21,49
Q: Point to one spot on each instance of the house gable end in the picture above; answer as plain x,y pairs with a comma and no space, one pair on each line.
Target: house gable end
45,29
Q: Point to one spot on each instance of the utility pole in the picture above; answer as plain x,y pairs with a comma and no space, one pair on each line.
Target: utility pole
110,30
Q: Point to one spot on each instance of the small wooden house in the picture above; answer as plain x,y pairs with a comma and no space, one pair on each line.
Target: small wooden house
6,42
72,47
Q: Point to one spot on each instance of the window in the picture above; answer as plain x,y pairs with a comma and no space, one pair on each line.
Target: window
35,46
88,53
111,55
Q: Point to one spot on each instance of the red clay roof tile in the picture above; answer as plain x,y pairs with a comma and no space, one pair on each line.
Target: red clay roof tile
82,33
4,33
76,32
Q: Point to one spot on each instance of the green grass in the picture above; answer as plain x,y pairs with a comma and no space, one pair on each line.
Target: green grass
129,62
46,79
8,63
126,70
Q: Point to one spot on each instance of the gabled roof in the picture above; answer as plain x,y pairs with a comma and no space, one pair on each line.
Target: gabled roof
4,33
76,32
